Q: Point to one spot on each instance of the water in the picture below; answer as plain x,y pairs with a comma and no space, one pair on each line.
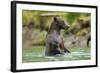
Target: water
36,54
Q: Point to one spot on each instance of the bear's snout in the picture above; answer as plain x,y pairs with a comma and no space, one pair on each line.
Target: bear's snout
66,26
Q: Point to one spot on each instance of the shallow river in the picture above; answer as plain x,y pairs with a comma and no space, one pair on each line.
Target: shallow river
36,54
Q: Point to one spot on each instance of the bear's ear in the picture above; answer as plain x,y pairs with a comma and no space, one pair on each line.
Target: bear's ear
55,18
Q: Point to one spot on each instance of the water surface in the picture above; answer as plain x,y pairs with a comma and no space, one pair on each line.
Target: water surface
37,54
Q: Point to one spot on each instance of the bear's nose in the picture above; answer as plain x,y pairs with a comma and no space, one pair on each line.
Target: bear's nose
68,26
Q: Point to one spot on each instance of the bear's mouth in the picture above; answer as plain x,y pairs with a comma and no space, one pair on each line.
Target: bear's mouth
66,27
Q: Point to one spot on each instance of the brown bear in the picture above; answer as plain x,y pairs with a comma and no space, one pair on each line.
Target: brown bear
54,43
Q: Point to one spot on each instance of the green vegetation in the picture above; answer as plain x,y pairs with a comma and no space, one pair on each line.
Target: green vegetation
40,22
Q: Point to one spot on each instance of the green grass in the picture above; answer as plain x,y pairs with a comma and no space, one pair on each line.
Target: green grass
37,54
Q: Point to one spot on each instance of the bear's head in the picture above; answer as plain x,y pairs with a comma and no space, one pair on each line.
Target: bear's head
59,22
